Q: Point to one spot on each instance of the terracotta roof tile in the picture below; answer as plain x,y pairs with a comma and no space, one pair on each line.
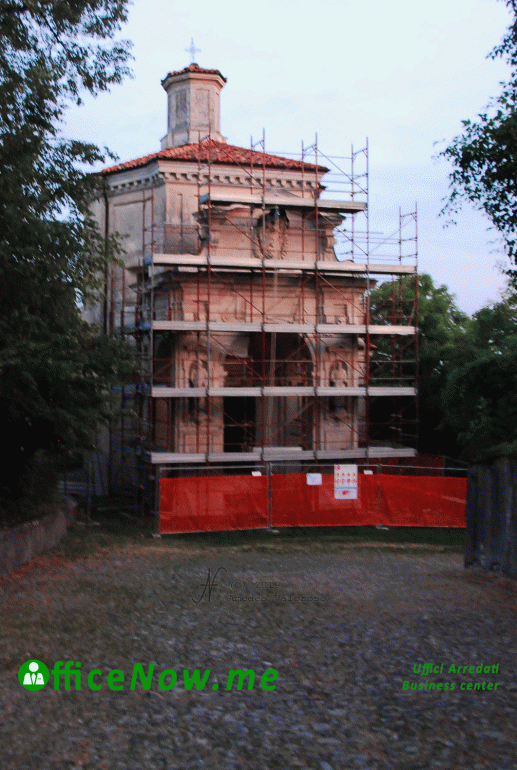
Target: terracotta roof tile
218,153
194,68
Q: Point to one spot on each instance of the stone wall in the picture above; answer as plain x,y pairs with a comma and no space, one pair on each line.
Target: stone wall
21,544
492,516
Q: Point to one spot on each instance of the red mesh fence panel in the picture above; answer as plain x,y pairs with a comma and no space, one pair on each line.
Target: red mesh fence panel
219,503
296,504
394,501
421,501
213,503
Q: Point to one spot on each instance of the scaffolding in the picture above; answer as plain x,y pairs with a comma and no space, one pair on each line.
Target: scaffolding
260,334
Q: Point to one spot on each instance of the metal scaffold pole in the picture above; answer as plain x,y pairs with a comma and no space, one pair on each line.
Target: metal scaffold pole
317,363
368,320
208,302
417,337
153,477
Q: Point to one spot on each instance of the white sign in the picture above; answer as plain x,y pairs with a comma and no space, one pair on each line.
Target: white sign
314,480
345,482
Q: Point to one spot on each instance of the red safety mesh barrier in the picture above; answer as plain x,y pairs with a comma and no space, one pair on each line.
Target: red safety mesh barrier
296,504
395,501
213,503
421,501
219,503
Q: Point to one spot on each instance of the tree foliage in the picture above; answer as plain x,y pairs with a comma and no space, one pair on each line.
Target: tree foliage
484,156
54,369
478,400
49,53
467,372
479,397
442,330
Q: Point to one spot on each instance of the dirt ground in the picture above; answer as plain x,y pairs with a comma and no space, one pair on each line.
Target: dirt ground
347,625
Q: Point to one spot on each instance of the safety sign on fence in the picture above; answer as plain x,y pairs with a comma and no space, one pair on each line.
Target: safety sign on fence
345,482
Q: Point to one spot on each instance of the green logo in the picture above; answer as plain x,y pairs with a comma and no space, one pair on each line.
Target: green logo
33,675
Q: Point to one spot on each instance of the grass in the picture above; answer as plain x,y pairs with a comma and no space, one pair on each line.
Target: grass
452,540
111,528
104,532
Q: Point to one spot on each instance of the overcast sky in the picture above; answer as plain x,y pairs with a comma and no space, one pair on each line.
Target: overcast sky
404,74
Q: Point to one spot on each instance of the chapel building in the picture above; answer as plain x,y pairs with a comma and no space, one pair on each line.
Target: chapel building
254,338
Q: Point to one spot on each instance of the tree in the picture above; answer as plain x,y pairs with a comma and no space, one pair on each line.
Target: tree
479,397
484,157
54,369
442,329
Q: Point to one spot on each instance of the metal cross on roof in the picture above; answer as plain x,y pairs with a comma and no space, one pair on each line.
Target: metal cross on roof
192,50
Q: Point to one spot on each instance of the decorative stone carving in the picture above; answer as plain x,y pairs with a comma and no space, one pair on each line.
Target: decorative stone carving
198,374
338,378
272,233
338,375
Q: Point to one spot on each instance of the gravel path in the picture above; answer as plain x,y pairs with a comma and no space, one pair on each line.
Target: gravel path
342,653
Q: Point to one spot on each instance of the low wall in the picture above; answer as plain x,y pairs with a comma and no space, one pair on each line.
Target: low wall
21,544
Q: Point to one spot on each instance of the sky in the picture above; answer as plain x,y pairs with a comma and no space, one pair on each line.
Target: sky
402,74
